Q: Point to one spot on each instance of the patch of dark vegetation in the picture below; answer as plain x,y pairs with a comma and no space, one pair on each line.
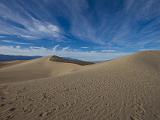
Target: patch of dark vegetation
70,60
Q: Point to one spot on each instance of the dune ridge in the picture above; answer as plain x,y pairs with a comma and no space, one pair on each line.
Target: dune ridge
122,89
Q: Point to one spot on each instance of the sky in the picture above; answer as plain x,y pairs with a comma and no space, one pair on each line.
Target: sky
83,29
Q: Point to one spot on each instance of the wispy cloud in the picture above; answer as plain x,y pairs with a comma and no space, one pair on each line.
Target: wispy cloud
84,47
25,26
123,25
13,42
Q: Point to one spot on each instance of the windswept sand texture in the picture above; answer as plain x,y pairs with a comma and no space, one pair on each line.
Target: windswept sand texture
124,89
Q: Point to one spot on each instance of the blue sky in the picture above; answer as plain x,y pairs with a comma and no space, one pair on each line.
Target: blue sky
83,29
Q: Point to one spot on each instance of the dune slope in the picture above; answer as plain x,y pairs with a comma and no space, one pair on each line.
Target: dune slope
123,89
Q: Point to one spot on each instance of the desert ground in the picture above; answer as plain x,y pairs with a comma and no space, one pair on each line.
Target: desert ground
127,88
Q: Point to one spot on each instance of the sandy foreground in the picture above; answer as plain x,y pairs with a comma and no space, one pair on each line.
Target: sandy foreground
127,88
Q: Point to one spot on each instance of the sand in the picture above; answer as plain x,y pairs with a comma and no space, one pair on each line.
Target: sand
123,89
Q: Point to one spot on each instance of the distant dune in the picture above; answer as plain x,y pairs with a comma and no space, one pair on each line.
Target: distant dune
122,89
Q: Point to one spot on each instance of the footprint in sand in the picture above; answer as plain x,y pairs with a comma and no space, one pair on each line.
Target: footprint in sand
12,109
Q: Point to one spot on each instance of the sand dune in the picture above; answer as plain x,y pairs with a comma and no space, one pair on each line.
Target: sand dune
35,69
123,89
